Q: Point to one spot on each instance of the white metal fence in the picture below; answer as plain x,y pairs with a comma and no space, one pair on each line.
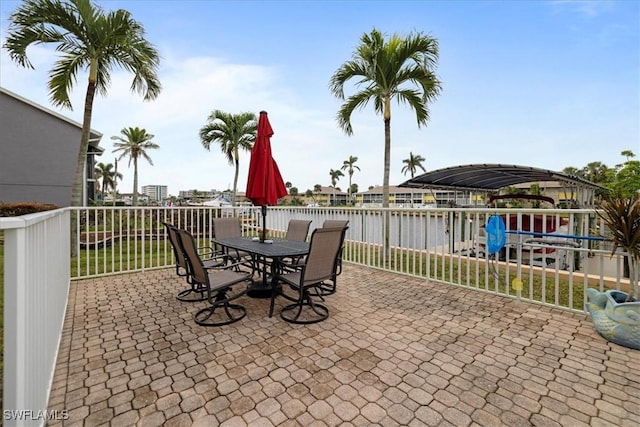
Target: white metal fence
557,253
554,264
36,286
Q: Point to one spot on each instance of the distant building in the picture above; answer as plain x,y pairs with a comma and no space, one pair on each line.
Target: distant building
127,199
156,193
39,153
327,196
197,194
417,197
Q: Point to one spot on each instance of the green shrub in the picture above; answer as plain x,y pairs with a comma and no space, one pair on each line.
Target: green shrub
23,208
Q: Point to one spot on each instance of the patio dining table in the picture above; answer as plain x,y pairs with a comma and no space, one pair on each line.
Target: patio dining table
266,254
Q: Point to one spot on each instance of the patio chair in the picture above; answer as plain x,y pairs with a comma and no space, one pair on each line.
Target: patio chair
222,286
297,230
195,292
330,288
225,228
331,223
319,265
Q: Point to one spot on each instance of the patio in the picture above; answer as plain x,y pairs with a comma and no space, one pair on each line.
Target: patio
395,350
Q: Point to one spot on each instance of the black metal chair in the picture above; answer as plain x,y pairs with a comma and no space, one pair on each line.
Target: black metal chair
221,286
319,265
195,291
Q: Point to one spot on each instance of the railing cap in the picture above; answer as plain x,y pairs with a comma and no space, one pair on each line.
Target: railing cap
23,221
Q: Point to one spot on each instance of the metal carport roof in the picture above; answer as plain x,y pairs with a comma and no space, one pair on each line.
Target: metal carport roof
490,177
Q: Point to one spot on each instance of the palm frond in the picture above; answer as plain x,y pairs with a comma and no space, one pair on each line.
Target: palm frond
413,99
358,100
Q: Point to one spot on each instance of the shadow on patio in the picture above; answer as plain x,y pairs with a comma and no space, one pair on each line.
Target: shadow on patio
395,351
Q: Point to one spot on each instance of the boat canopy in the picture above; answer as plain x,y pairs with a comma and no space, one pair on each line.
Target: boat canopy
493,177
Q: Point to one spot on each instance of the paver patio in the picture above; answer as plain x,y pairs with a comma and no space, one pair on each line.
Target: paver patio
395,351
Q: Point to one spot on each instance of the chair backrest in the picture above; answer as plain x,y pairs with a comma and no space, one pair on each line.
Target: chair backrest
333,223
298,229
224,228
324,250
176,245
196,269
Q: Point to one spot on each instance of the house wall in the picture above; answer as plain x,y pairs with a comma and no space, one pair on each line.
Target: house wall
38,153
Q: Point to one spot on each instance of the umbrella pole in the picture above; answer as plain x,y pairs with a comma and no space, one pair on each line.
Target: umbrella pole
264,223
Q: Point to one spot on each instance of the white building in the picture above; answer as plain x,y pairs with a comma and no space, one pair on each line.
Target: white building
155,192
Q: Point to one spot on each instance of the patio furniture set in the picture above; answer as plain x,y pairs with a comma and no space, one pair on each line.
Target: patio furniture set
235,265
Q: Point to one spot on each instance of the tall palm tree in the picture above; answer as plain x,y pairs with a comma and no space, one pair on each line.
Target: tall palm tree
400,68
88,39
349,166
335,177
384,69
233,132
412,164
108,176
134,143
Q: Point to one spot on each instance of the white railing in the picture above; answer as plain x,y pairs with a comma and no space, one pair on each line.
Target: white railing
36,286
556,263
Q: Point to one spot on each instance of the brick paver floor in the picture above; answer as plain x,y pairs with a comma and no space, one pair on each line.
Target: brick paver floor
395,351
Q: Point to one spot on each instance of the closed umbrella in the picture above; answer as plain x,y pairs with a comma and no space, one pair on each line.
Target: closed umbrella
264,184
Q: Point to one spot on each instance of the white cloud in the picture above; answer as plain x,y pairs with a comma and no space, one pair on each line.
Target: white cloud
586,8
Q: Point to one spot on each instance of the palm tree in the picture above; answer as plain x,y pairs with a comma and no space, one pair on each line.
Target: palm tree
349,166
412,164
317,188
354,190
89,39
335,177
535,190
108,176
135,144
232,132
309,194
386,69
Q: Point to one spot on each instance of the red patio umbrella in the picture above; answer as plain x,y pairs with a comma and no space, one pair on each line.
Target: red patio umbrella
264,185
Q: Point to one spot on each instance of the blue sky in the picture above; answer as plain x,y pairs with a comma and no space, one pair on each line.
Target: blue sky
547,84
